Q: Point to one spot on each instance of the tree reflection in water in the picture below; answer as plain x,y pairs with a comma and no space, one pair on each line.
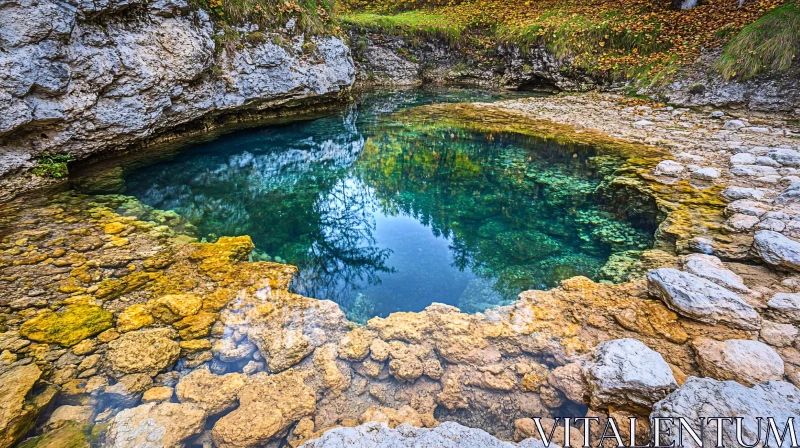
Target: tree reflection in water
383,215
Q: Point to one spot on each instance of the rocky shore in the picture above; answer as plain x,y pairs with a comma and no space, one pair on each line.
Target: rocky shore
120,329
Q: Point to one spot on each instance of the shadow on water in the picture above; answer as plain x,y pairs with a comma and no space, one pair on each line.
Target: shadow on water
383,214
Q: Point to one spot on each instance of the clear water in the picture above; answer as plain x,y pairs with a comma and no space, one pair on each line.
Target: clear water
381,215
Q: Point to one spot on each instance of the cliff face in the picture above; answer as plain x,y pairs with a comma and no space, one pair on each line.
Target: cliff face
82,76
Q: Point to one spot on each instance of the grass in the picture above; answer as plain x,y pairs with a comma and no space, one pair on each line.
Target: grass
52,165
408,24
769,45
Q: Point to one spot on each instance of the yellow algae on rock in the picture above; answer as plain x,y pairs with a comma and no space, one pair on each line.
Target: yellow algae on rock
173,307
114,228
134,317
68,327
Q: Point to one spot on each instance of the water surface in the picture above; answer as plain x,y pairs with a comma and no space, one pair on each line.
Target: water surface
382,214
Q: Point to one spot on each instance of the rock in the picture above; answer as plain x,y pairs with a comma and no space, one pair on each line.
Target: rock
128,390
196,326
151,424
144,351
707,173
157,394
786,305
268,405
227,350
789,194
134,317
284,349
778,335
732,193
67,413
711,268
669,168
354,346
699,397
18,410
748,362
740,223
569,380
767,161
743,158
745,207
174,307
626,374
392,417
777,249
717,114
67,327
732,125
68,434
641,124
700,299
335,375
379,350
213,393
785,156
378,435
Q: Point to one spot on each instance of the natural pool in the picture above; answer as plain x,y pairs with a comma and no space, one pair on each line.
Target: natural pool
382,212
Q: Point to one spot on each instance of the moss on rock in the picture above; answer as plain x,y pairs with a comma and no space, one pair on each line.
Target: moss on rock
68,327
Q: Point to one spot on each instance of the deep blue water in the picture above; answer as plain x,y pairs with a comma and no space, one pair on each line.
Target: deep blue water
381,215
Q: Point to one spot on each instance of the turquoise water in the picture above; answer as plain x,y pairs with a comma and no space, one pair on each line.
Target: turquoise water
381,215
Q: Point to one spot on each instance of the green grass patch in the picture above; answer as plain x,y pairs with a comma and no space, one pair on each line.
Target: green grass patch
768,45
409,24
52,165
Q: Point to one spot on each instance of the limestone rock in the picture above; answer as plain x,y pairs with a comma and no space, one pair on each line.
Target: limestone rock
335,375
701,397
785,156
777,249
67,413
68,434
711,268
569,379
446,435
227,350
748,362
17,411
67,327
786,305
626,374
778,335
392,417
151,424
669,168
700,299
145,351
213,393
173,307
134,317
128,390
268,405
354,346
284,349
157,394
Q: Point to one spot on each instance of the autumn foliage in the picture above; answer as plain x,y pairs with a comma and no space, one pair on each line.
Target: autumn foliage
643,39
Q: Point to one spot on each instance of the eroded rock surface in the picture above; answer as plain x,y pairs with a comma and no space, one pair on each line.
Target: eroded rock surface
164,424
748,362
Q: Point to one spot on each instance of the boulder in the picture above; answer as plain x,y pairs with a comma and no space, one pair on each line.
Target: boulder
778,335
154,425
128,390
748,362
711,268
668,168
777,250
701,299
786,305
18,410
134,317
569,379
268,406
785,156
66,413
699,398
626,374
67,327
213,393
446,435
174,307
145,351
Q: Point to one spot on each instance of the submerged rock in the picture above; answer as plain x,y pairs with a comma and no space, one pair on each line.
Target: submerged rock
147,351
748,362
164,424
699,398
627,374
214,393
268,405
700,299
446,435
18,411
68,327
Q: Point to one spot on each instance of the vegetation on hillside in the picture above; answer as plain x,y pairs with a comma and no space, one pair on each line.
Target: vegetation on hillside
614,39
770,44
312,17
